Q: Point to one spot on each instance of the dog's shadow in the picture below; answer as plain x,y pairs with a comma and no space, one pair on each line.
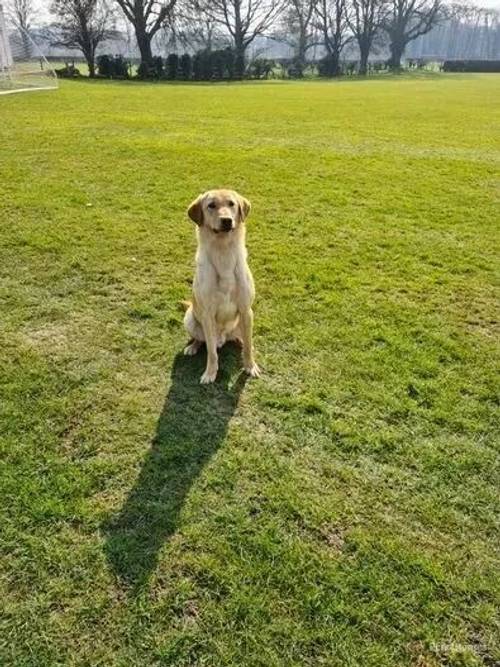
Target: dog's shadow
191,427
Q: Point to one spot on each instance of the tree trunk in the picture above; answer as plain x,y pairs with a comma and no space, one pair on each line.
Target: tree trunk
89,57
239,60
333,63
335,71
144,45
301,53
397,49
364,52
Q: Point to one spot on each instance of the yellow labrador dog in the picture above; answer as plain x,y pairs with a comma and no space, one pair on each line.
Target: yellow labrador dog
223,289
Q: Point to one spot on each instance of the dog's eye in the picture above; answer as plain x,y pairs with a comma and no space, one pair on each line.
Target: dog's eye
211,205
231,204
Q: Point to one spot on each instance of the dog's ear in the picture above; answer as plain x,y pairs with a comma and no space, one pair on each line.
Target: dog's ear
244,206
195,210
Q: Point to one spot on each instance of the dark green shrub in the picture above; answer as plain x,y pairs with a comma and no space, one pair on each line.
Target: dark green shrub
350,67
153,70
157,67
217,65
230,63
112,67
172,67
185,66
213,65
295,69
223,64
145,71
121,68
261,68
327,66
284,67
383,65
202,66
197,65
105,66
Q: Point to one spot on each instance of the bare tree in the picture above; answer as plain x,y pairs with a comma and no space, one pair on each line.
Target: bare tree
463,31
147,17
469,15
331,18
298,30
203,32
491,33
365,19
82,24
196,28
22,13
406,20
244,20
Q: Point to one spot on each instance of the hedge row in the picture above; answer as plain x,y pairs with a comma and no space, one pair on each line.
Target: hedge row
113,67
202,66
220,65
471,66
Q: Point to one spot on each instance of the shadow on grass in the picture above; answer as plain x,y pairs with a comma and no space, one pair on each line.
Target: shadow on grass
191,427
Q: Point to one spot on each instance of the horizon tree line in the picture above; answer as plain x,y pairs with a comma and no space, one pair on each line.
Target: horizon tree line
331,25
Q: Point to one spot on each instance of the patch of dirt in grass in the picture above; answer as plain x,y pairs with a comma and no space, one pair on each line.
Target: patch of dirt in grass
489,329
74,337
420,657
190,613
52,337
334,537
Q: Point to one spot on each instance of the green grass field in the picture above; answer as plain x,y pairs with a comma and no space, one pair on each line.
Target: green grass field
340,511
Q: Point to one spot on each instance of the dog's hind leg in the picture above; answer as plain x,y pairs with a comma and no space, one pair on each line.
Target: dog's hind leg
192,348
195,330
221,340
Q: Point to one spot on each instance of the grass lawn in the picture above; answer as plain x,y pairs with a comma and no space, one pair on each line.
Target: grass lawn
340,511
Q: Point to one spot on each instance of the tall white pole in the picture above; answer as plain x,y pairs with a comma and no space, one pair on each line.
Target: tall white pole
6,60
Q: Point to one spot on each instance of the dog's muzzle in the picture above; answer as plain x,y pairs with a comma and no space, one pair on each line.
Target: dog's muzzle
226,224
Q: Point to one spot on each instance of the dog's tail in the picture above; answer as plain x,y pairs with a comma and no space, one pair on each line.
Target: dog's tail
184,305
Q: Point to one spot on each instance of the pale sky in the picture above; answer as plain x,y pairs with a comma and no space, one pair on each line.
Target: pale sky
43,5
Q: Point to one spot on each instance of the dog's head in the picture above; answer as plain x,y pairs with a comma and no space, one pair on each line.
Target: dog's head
220,210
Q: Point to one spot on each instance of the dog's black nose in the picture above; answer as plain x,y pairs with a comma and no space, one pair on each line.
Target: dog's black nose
226,224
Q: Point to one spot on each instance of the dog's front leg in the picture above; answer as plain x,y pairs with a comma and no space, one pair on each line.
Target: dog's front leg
246,318
209,329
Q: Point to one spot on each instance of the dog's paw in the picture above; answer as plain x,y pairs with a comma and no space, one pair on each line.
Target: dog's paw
192,348
208,377
253,370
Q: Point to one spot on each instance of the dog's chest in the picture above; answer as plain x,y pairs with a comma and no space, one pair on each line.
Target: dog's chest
221,282
226,293
226,283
